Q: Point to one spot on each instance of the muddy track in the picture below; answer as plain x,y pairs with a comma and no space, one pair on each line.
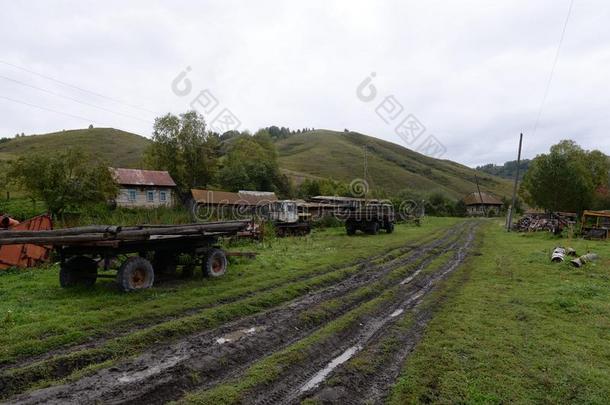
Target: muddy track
389,347
208,358
326,358
128,327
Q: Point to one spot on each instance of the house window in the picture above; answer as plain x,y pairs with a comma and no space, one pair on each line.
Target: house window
162,196
132,195
150,196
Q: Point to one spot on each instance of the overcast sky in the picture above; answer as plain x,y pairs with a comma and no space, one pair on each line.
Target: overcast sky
473,73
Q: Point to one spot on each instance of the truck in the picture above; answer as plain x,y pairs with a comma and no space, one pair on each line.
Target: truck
287,217
369,218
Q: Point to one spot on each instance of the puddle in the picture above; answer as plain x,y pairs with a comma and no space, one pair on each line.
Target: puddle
156,369
238,334
411,277
322,374
396,313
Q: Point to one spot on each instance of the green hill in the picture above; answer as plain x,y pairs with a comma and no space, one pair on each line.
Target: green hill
339,155
314,154
119,148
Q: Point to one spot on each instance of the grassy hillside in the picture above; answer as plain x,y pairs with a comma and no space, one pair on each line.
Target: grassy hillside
391,167
315,154
117,147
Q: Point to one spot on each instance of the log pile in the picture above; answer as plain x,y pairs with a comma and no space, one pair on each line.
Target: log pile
551,222
105,233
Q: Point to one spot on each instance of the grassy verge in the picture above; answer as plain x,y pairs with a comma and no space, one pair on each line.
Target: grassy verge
519,330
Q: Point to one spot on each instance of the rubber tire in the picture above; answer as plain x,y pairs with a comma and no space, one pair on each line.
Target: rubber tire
78,270
389,228
136,273
214,263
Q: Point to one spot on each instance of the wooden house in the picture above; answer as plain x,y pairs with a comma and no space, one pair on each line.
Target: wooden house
144,188
482,204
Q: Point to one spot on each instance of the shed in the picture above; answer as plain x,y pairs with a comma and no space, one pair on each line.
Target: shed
144,188
482,203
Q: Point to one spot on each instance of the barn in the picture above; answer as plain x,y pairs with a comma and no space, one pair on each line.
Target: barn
144,188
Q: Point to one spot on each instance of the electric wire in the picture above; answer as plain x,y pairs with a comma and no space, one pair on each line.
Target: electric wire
548,84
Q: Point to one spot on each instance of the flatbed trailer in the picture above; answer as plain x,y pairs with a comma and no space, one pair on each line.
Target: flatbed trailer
142,251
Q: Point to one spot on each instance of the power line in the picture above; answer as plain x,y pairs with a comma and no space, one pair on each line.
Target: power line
72,99
548,84
78,88
51,110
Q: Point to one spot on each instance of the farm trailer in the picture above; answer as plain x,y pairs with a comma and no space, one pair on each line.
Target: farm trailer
143,251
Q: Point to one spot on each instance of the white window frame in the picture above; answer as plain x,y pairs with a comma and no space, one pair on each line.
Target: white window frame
131,192
163,196
150,195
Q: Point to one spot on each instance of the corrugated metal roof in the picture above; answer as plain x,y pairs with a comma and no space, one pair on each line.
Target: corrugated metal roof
138,177
224,197
266,195
483,198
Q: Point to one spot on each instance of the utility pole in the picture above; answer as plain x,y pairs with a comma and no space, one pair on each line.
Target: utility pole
476,179
365,174
509,223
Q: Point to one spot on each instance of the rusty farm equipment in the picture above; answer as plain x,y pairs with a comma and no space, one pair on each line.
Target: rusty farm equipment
595,224
24,254
142,252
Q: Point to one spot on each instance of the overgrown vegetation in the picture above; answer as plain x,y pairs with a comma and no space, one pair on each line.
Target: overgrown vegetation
539,328
64,181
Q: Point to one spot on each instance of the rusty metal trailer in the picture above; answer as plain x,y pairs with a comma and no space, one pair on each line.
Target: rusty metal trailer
24,255
142,252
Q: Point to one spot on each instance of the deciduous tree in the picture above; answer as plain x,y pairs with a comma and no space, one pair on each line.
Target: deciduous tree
182,146
566,178
64,181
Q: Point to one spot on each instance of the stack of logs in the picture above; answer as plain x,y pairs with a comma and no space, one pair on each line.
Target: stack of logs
552,222
102,234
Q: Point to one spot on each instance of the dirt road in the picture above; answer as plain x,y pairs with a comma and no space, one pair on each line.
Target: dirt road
345,343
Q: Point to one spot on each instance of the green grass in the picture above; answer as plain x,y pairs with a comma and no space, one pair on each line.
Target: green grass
391,167
119,148
43,316
519,329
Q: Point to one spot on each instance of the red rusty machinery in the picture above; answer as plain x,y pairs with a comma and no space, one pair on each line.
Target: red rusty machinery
24,255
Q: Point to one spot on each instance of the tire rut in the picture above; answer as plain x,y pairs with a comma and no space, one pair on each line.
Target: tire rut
328,357
350,387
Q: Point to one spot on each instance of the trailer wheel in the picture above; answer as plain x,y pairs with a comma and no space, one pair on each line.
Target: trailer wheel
136,273
214,263
78,270
389,228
